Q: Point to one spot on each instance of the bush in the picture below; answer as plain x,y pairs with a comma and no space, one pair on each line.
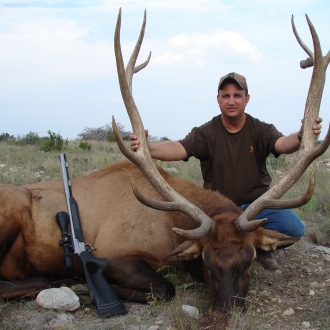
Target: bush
31,138
85,146
111,138
6,136
103,133
53,142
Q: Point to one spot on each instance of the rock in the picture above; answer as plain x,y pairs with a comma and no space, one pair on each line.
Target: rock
58,299
305,324
153,327
323,249
311,293
191,311
85,299
79,289
288,312
2,165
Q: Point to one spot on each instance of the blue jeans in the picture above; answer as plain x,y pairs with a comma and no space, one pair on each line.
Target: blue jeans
284,221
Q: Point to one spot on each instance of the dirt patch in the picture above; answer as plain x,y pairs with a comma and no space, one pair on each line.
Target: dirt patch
297,296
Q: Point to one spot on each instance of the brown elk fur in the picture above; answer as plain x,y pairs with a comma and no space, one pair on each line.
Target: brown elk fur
135,239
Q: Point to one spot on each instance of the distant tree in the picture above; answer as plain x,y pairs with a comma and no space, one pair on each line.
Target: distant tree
32,138
103,133
6,136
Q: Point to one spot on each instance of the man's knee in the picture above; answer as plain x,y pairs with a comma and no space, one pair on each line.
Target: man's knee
285,222
298,230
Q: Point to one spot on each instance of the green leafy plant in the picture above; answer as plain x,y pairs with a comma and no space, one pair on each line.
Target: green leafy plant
53,142
85,146
111,138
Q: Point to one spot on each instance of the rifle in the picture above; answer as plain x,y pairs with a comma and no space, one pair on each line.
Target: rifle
106,302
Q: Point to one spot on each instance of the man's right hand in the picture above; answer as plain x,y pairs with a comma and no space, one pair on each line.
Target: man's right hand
135,142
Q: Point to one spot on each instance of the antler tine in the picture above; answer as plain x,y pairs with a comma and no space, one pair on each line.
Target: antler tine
310,60
172,206
294,202
142,157
314,97
143,65
131,69
307,152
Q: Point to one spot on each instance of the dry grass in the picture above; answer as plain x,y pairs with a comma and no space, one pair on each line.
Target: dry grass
270,293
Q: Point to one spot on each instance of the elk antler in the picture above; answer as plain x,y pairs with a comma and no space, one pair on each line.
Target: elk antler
308,151
142,157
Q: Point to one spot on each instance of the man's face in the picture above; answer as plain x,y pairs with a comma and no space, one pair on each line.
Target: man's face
232,100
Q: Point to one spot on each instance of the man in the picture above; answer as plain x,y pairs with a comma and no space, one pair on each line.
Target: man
232,149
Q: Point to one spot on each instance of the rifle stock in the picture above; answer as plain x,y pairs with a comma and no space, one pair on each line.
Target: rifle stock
106,301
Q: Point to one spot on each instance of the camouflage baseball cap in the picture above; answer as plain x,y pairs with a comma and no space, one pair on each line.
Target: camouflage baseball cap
237,77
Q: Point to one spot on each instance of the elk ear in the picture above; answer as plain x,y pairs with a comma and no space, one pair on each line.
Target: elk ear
269,240
188,250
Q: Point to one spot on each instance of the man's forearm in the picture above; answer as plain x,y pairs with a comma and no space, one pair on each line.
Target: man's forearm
287,144
167,151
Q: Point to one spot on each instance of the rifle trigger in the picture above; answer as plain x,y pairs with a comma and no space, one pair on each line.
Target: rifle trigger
89,248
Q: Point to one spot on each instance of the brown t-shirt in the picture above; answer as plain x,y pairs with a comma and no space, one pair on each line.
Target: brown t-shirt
234,163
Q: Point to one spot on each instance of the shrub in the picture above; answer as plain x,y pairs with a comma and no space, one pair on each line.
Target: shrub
111,138
85,145
53,142
6,136
103,133
31,138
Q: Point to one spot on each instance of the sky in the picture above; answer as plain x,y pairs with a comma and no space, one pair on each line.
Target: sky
58,71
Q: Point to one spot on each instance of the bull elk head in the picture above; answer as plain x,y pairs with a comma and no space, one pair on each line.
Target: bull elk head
175,202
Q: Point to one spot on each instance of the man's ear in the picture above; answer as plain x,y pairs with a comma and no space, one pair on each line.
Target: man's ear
218,95
270,240
188,250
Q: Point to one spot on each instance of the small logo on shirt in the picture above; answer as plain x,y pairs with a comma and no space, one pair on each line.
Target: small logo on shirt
251,148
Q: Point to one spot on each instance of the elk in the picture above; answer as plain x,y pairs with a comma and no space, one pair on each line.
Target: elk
168,221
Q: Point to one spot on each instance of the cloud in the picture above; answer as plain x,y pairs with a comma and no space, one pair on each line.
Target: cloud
50,50
165,6
186,49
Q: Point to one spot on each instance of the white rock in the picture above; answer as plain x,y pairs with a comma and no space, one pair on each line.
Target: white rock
305,324
288,312
191,310
2,165
311,293
59,299
323,249
153,327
